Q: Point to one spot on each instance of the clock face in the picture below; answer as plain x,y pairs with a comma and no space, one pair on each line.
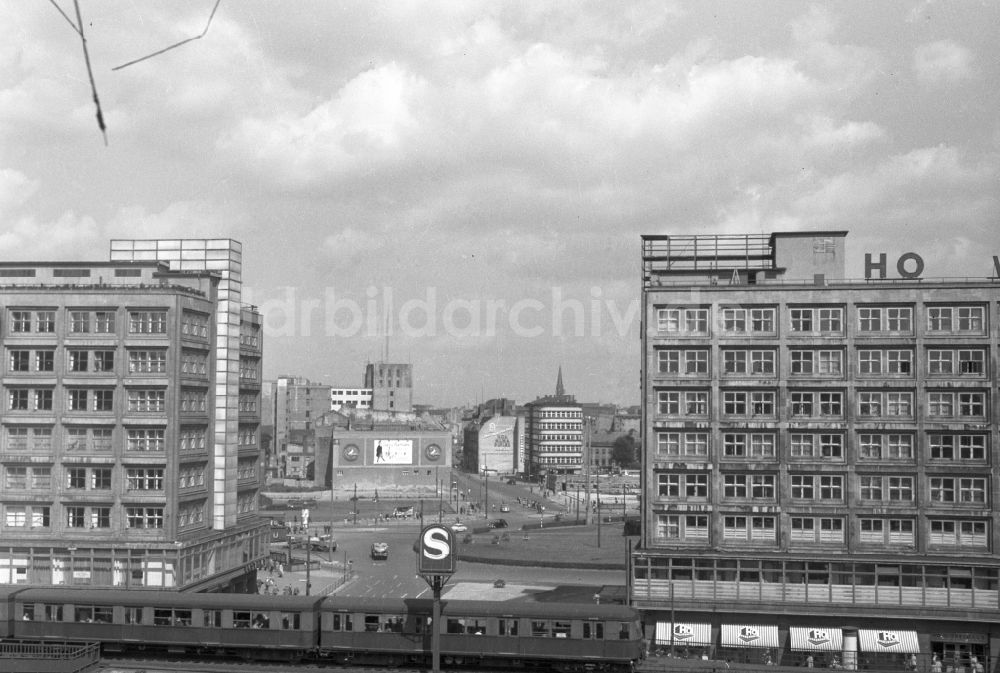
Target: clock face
351,452
433,452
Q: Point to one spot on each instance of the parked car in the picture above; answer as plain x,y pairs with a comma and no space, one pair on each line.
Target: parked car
380,551
504,507
498,523
459,527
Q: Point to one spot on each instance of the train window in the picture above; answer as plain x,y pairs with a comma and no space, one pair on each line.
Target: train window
472,625
53,613
104,614
371,623
83,613
593,630
170,617
290,620
261,621
561,629
342,622
421,624
133,615
241,619
29,613
539,629
623,631
507,627
212,618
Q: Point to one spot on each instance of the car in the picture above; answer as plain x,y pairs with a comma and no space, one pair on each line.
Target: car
380,551
498,523
504,507
500,583
459,527
403,513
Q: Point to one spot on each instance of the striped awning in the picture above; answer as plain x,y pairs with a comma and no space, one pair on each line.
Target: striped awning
683,633
884,640
749,635
816,639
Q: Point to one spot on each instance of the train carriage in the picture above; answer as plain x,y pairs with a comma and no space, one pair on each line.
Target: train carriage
251,626
564,636
7,594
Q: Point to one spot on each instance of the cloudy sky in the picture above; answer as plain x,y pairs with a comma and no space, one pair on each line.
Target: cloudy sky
481,172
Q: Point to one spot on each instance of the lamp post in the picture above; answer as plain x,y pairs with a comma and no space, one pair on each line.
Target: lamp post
486,493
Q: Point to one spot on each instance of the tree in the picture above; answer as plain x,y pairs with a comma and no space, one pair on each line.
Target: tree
623,451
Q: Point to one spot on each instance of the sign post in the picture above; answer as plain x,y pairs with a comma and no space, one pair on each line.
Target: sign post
436,564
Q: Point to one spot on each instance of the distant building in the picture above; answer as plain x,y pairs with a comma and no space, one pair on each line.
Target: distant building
554,434
819,456
391,386
492,446
298,402
350,398
130,420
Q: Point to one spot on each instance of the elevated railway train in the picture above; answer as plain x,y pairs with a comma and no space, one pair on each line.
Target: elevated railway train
513,634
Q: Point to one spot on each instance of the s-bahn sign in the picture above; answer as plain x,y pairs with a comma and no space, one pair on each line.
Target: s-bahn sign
436,551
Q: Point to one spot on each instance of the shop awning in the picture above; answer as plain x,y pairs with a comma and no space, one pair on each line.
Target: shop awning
816,639
749,635
684,634
884,640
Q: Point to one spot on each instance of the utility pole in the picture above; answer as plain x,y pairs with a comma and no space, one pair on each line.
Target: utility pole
586,467
598,510
354,501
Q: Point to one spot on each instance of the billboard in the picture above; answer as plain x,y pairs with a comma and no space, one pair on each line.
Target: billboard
497,441
393,452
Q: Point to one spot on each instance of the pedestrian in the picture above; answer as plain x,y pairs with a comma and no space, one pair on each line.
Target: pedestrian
281,569
810,662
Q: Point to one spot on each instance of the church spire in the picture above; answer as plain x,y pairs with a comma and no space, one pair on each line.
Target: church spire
560,389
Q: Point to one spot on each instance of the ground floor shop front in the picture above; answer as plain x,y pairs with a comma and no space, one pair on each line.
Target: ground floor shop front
865,643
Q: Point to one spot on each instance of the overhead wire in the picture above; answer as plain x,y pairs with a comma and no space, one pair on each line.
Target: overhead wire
174,46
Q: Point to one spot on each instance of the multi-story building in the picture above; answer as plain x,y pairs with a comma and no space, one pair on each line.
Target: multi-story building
352,398
491,446
554,434
820,457
298,402
130,420
391,386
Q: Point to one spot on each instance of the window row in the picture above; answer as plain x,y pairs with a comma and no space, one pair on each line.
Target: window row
80,321
100,439
822,362
76,516
824,446
824,404
764,529
23,477
823,487
826,320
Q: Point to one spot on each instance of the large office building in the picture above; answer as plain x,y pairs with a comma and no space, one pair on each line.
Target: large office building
130,420
820,457
391,386
554,435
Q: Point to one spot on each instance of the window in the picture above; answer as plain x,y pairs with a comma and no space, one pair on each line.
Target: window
819,529
16,477
75,517
692,486
141,400
76,400
104,400
682,320
78,360
686,403
802,403
146,439
147,322
816,362
886,531
677,444
817,446
957,319
874,404
947,532
887,446
19,360
741,486
682,527
886,488
20,322
104,361
100,478
942,489
79,322
752,445
957,447
147,362
17,399
144,517
76,478
100,517
826,320
945,404
45,360
144,479
869,319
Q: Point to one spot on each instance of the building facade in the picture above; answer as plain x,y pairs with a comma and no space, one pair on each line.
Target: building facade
130,420
554,433
298,403
391,385
820,466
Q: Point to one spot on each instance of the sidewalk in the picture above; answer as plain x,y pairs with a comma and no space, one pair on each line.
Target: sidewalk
325,578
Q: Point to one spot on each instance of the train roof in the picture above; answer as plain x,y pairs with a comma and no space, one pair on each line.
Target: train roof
168,599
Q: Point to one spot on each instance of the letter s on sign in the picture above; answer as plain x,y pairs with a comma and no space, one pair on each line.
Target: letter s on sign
436,545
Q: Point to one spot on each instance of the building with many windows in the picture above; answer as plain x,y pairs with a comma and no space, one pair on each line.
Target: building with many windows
554,434
819,455
129,425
